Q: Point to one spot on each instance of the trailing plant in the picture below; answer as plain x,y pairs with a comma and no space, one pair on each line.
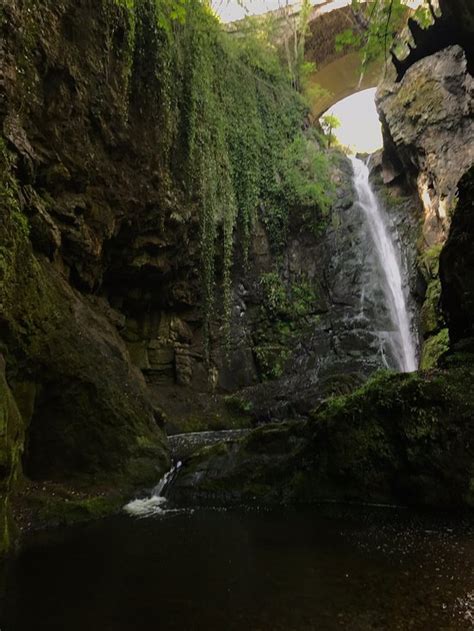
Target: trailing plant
228,113
287,301
306,181
286,308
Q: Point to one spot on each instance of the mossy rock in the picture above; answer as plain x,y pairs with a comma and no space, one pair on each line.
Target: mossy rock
400,438
12,433
64,511
431,315
433,348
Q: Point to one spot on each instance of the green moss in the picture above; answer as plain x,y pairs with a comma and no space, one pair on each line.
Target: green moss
396,418
236,417
428,262
433,325
13,224
287,309
402,438
433,348
431,316
67,510
96,415
239,404
271,360
14,230
419,99
11,448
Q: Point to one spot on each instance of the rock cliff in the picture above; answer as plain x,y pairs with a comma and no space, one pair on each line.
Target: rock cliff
429,133
426,109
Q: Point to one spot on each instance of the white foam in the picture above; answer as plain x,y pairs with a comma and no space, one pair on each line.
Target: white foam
146,507
155,504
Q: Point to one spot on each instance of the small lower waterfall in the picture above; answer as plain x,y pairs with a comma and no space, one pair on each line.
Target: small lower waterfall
154,504
402,342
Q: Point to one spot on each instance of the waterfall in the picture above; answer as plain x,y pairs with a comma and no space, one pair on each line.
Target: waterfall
402,341
154,504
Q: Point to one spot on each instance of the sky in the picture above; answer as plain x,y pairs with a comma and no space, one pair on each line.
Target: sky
360,126
230,10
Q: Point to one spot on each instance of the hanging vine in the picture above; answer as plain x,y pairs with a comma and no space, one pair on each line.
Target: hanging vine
229,113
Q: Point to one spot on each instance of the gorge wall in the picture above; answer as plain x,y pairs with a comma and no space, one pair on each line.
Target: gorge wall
177,249
145,195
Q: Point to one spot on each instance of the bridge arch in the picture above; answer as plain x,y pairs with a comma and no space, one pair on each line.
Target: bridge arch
338,73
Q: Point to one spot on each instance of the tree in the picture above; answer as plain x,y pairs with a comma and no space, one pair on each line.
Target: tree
329,123
379,22
297,27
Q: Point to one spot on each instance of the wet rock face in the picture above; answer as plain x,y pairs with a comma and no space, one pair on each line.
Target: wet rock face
65,191
457,265
342,338
428,130
91,415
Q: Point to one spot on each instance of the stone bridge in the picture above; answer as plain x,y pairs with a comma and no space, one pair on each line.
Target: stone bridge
338,74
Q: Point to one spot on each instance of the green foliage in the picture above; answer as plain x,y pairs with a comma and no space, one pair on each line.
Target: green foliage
238,404
348,38
285,309
271,359
169,11
288,301
433,348
226,112
274,293
329,123
305,175
384,20
227,107
236,113
303,298
257,42
294,40
301,187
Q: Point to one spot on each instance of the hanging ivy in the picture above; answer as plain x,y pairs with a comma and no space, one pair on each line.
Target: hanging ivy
228,114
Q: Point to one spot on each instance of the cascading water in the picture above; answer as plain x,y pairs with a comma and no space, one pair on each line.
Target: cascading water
402,341
154,505
182,446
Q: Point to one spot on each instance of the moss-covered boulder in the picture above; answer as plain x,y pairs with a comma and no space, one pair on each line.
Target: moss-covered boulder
401,438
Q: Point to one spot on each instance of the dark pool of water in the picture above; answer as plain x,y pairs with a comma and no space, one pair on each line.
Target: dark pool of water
248,570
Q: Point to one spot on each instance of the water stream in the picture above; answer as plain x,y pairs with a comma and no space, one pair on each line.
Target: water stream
181,446
401,340
154,503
